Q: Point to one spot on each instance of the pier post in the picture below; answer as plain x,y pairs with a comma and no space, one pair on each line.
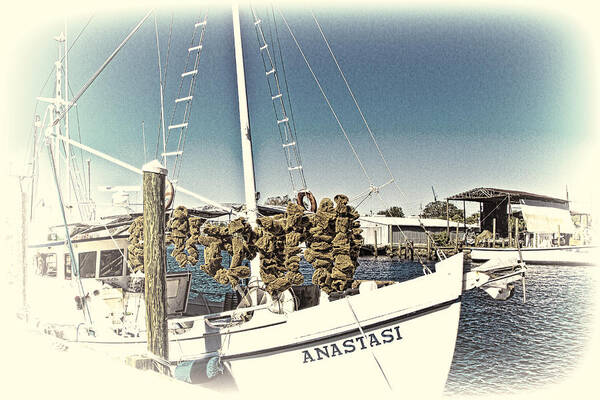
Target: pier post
412,250
447,220
517,232
428,248
24,248
155,268
375,248
510,232
457,226
494,233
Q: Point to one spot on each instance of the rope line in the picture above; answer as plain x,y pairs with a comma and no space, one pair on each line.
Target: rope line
357,106
370,348
325,97
99,71
440,253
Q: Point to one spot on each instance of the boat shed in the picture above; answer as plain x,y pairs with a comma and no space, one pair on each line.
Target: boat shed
541,213
394,230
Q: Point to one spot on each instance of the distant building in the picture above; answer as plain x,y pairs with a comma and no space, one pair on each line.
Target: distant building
394,230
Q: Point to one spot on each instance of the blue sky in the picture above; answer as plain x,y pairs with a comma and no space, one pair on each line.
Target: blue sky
457,97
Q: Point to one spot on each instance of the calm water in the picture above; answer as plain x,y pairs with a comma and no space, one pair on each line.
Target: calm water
502,347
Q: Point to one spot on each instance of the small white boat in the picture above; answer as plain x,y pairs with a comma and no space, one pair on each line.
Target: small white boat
560,255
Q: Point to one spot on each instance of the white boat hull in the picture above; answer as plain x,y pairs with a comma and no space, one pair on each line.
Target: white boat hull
409,337
409,328
564,255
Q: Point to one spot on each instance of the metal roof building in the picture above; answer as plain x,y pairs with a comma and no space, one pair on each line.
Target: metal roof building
498,204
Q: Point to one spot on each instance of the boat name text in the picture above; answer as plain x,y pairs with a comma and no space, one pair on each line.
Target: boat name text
350,345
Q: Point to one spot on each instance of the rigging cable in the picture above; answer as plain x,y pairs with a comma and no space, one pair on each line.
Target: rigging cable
99,71
162,97
86,312
425,268
188,108
440,253
32,147
325,97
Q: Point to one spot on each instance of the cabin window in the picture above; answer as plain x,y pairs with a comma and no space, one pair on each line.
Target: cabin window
46,265
87,264
68,266
111,263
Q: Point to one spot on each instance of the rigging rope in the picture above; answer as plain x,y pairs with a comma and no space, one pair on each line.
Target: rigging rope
440,253
68,238
99,71
162,97
325,97
287,90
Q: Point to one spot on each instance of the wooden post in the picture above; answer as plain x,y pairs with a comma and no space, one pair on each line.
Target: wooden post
24,248
428,248
375,249
510,232
494,232
447,220
155,262
412,250
457,226
517,232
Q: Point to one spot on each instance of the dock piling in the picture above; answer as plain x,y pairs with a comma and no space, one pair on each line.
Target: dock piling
155,268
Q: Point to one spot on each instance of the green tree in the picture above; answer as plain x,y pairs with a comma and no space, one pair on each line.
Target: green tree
473,219
277,201
394,211
437,209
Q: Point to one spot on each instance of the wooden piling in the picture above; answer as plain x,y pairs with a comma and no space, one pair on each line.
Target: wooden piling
517,232
428,247
510,233
494,232
447,220
412,250
375,249
24,248
457,226
155,262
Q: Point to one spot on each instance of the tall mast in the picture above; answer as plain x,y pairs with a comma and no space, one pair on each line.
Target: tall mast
67,134
58,100
247,160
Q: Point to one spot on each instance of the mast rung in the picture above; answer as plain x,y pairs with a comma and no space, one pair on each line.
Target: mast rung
271,72
183,99
281,121
288,144
276,96
172,153
195,48
182,125
193,72
264,47
200,24
293,168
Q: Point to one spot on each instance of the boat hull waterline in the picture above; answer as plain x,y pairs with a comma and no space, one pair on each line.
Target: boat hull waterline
564,255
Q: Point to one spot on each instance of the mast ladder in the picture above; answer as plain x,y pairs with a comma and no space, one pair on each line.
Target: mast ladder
288,137
183,101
